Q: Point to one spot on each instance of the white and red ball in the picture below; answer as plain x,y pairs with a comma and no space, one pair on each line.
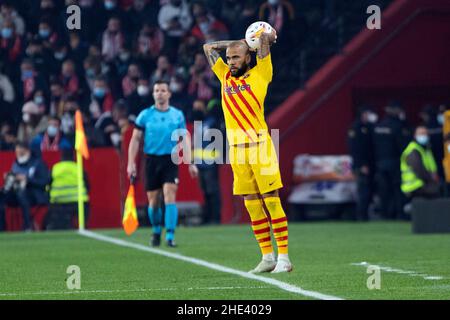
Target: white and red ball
254,31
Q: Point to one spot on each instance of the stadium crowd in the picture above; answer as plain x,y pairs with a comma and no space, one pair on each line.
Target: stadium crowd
106,69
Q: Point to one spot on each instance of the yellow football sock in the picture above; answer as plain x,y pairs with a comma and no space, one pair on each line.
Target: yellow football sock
260,224
279,223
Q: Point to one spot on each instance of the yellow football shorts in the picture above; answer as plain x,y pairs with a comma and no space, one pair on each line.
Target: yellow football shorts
255,168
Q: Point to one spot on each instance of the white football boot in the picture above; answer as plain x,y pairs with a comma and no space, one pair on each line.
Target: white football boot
283,265
266,265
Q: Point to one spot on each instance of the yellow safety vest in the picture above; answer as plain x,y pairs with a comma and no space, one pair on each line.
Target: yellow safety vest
410,182
206,154
64,188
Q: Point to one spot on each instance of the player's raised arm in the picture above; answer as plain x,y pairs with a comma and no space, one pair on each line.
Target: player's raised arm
266,40
212,50
133,150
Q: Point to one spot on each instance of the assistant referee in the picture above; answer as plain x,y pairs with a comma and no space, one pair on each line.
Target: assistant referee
157,124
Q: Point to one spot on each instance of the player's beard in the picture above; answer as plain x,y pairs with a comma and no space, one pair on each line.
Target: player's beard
240,72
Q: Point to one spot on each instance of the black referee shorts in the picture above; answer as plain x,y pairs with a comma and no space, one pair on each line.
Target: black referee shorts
159,170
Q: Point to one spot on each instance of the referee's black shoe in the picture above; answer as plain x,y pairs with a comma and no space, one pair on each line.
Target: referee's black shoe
156,240
171,243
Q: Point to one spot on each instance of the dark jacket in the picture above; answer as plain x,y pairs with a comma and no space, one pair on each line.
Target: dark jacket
390,137
38,177
360,144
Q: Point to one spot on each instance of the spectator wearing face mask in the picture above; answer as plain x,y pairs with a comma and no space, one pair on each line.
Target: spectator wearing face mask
39,99
141,98
60,54
207,24
419,170
92,70
30,81
25,185
47,11
41,57
48,36
180,97
68,118
11,46
51,139
7,11
33,122
102,99
108,124
360,142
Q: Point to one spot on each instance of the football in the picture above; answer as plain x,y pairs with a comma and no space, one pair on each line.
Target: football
254,31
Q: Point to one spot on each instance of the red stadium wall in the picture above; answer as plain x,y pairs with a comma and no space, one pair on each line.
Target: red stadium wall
101,169
406,60
107,186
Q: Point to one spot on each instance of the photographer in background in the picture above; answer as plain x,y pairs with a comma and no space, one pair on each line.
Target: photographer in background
25,185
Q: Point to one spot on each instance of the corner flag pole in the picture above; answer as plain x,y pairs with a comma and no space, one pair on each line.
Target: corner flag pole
82,152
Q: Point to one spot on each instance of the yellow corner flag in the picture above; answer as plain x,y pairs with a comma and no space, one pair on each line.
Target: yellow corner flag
80,137
130,219
82,152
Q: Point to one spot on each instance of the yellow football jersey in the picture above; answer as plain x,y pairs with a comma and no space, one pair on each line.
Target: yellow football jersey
243,100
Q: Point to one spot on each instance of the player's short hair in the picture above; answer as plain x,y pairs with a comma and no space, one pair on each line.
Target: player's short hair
162,82
241,44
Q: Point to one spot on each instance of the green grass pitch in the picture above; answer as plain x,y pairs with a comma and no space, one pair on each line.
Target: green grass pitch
33,265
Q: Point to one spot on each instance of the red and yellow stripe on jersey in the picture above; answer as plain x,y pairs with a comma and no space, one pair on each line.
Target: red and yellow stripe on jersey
243,100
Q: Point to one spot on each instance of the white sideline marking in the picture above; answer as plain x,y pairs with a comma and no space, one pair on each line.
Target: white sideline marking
282,285
42,293
400,271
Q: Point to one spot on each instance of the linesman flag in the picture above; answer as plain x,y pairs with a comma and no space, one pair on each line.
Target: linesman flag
80,137
130,219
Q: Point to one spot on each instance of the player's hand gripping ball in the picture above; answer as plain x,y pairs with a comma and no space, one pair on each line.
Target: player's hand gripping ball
254,31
